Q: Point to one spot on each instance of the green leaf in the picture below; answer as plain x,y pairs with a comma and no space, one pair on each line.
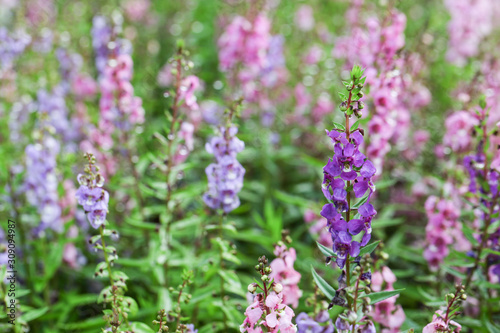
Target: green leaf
355,126
34,314
325,250
469,234
343,97
382,295
369,248
338,126
360,202
138,327
327,290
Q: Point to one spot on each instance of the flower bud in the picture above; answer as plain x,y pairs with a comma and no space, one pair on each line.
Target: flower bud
264,278
252,287
464,297
361,105
351,316
268,270
277,288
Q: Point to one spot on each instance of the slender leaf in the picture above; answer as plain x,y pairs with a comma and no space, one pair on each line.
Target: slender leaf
327,290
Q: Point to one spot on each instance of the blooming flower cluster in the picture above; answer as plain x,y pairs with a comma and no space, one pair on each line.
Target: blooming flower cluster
268,312
284,273
387,313
91,196
347,165
225,177
471,21
442,230
41,180
253,58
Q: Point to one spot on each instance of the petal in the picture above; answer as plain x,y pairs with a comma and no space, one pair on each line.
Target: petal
360,188
339,194
359,159
366,238
328,212
271,319
355,247
351,175
355,226
357,138
338,183
368,169
367,210
332,168
344,237
349,150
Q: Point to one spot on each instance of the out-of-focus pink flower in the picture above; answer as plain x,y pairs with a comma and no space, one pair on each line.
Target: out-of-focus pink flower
387,313
304,18
459,126
189,86
137,10
313,55
324,106
165,77
318,227
84,86
471,21
443,228
284,273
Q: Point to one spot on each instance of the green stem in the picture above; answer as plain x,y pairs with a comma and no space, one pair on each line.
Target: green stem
221,258
108,265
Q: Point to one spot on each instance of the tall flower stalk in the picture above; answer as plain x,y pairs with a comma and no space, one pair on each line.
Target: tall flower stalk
225,180
348,177
94,200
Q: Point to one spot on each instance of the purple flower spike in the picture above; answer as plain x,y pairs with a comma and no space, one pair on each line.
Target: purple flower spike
225,177
348,164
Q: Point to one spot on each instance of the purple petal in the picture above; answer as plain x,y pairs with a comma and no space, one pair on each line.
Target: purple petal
333,134
337,149
341,261
355,247
332,168
368,169
367,210
339,225
351,175
349,150
338,183
359,159
339,194
366,238
357,138
360,188
344,237
356,226
329,212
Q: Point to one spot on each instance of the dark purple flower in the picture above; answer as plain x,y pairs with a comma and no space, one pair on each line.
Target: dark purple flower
343,245
355,226
335,221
